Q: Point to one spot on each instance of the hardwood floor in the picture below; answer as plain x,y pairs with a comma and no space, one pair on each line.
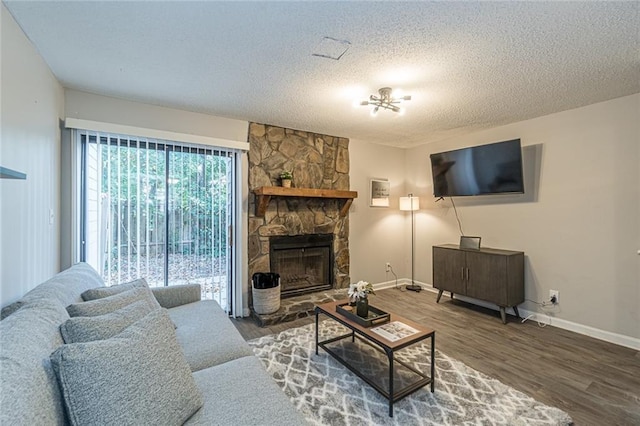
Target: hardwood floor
596,382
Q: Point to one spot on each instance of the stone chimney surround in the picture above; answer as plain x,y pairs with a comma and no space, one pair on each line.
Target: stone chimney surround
318,162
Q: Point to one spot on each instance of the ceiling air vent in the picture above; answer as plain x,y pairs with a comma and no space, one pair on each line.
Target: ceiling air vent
331,48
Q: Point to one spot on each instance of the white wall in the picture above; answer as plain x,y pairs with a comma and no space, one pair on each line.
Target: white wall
579,228
88,106
377,235
32,105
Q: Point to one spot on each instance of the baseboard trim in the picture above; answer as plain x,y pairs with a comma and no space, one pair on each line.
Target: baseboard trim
391,284
607,336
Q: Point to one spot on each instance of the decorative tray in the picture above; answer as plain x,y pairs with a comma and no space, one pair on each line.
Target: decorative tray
376,316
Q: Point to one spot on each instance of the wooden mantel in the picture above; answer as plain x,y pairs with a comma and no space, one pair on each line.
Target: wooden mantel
264,194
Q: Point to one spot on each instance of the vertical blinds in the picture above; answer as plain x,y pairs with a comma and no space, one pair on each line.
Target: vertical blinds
159,210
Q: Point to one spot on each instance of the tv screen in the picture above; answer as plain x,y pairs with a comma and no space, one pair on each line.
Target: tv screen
495,168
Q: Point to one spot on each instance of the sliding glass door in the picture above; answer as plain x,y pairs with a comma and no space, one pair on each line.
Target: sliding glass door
158,210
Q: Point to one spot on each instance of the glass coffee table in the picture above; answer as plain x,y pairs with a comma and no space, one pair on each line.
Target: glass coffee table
369,352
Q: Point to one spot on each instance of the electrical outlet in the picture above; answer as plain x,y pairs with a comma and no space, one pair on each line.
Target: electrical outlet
387,267
556,294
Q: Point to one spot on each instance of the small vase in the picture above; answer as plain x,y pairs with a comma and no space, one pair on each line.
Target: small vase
362,307
286,183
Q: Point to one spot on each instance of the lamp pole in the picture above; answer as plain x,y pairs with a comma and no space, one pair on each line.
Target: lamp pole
413,286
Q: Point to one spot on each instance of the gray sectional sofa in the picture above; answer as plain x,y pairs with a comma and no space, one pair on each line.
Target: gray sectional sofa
227,384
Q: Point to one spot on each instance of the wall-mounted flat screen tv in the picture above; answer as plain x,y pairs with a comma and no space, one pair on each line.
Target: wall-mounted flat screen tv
495,168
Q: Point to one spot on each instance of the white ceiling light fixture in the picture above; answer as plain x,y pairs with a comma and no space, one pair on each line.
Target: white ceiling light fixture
386,100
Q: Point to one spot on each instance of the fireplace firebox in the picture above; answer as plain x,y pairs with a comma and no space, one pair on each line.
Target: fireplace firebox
304,262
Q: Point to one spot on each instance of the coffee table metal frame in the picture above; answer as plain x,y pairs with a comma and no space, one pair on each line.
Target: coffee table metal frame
386,346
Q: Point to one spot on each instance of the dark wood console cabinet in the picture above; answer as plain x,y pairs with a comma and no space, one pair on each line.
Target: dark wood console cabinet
492,275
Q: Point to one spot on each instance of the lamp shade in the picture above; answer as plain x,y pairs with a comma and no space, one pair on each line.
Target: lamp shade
409,203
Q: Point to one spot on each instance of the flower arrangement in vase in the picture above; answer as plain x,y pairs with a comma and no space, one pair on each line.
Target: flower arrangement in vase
359,293
286,178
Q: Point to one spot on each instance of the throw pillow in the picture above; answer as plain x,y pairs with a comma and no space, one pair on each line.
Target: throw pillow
87,329
109,304
9,309
139,376
100,292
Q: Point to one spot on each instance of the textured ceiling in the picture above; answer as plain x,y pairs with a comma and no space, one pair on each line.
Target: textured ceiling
467,65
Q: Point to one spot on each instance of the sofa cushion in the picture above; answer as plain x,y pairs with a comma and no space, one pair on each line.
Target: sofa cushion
29,392
206,334
100,292
111,303
64,287
87,329
228,401
139,376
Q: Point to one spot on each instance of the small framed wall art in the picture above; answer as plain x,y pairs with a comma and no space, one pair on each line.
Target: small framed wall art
379,192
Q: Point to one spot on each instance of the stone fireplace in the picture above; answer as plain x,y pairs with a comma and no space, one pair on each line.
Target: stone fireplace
317,162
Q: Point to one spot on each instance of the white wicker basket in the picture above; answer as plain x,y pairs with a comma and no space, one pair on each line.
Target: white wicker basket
266,301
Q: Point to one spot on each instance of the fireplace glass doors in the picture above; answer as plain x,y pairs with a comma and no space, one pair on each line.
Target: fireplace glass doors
304,262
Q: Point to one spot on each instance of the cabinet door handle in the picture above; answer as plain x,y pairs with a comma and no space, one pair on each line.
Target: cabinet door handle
467,274
462,274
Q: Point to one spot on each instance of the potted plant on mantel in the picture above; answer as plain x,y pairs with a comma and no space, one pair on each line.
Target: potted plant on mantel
286,178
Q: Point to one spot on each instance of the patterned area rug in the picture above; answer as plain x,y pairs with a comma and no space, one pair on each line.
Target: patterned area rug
329,394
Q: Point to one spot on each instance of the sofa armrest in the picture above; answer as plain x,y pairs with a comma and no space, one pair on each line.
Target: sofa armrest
176,295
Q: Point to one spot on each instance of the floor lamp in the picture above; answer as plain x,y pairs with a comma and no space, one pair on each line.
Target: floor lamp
411,204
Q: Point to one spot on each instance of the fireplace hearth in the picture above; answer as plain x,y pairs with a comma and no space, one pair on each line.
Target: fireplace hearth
304,262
